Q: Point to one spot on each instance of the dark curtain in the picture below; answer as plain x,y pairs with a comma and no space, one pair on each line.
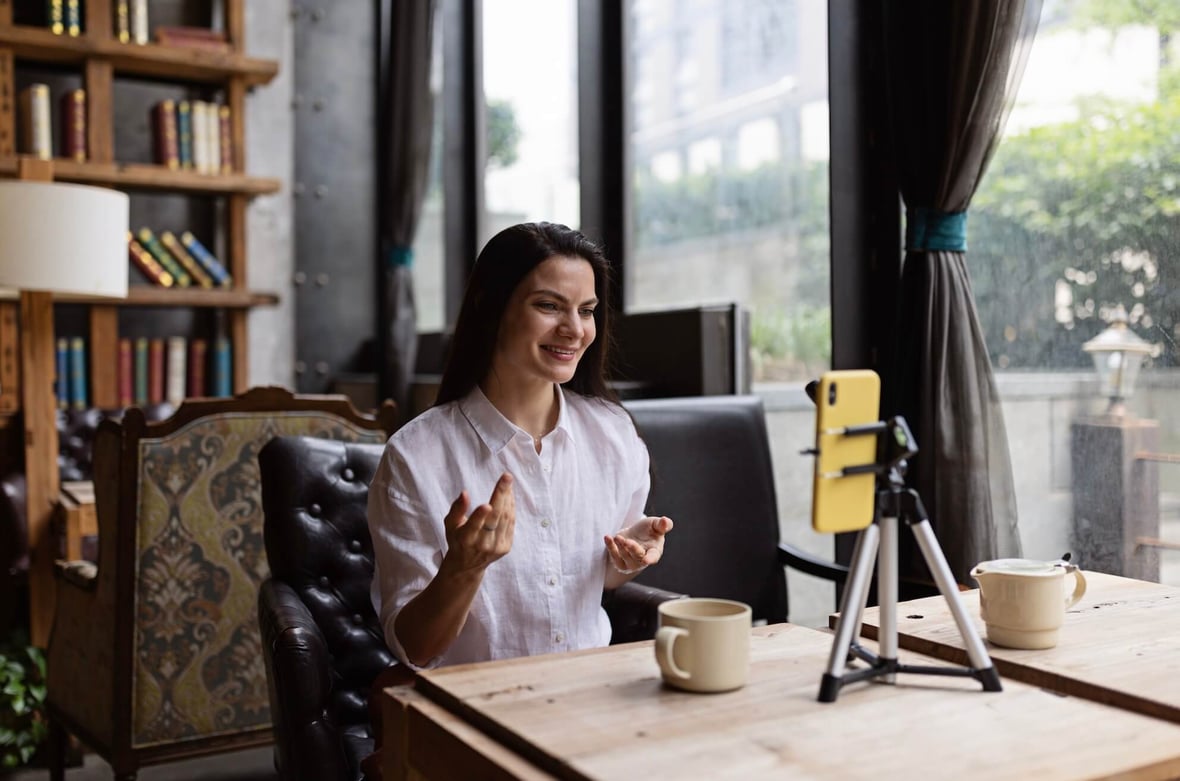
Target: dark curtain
952,71
406,124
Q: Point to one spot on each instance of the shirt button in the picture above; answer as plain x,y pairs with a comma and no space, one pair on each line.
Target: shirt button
544,523
559,638
547,468
552,580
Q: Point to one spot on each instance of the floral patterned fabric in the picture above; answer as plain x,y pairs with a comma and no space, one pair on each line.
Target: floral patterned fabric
198,669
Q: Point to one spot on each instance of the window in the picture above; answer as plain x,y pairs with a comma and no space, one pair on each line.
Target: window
728,152
429,303
532,116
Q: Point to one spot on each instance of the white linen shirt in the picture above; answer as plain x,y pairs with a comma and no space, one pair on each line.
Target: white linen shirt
590,479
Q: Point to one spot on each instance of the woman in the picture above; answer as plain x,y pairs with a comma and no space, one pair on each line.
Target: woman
524,416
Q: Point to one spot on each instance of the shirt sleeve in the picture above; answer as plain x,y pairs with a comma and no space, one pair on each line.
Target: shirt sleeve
406,548
640,474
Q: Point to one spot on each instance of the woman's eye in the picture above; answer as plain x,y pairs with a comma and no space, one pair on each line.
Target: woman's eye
587,312
547,306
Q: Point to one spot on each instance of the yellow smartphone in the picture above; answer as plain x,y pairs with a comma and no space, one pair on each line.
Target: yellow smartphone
839,502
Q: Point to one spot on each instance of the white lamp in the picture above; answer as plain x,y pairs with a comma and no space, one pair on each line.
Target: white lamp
54,238
1118,352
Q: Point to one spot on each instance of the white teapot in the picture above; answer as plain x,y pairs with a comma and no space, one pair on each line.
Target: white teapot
1023,601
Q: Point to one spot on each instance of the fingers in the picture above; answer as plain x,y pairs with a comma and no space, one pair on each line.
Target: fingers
503,506
457,515
661,525
627,554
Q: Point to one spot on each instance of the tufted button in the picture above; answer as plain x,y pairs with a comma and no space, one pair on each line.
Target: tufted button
315,510
324,582
348,474
357,619
355,546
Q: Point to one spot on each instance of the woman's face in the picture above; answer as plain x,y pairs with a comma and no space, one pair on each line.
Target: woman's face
547,324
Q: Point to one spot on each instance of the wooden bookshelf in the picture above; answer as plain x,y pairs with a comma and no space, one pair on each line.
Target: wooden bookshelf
100,60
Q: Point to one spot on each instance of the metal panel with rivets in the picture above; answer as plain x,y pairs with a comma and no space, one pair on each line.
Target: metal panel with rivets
335,188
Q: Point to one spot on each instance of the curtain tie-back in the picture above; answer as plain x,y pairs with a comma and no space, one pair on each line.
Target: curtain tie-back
399,255
927,230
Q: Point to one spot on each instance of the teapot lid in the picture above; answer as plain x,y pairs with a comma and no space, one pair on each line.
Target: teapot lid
1030,567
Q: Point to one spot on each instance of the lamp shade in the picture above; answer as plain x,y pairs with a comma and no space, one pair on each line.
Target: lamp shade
63,238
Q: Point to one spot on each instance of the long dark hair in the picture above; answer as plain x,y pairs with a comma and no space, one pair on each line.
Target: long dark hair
504,262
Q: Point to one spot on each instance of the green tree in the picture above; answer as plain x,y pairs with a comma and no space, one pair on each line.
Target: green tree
503,134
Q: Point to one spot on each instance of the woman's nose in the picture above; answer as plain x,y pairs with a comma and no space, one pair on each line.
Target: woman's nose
572,324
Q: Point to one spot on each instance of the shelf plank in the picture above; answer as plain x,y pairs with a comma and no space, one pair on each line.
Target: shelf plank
166,62
145,176
142,295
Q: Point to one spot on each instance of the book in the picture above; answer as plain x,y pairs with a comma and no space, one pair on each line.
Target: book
184,129
143,260
175,370
122,21
55,11
197,356
140,371
126,374
78,373
200,145
138,18
36,126
225,135
73,124
61,382
155,387
190,264
149,241
211,264
165,140
222,367
73,18
212,139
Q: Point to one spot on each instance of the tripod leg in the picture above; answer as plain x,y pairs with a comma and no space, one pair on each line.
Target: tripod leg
936,561
887,569
856,592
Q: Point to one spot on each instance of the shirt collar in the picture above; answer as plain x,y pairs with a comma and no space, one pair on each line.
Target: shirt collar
497,431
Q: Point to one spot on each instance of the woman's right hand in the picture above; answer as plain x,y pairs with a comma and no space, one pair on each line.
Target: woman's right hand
475,541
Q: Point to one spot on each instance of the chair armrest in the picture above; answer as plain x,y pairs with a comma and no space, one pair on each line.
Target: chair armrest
299,680
797,558
633,611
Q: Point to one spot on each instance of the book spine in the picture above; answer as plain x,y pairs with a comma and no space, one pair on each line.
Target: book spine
122,21
212,138
36,123
225,134
197,355
55,12
61,383
184,129
190,264
144,261
176,370
78,373
139,21
216,270
126,374
73,18
200,145
222,367
141,371
164,135
155,371
153,245
73,124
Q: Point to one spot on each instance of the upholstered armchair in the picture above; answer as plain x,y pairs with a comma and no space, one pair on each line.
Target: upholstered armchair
154,653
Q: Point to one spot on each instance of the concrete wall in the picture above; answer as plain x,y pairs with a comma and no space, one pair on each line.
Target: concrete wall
1038,409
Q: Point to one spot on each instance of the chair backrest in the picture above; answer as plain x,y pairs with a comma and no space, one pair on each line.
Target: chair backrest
712,475
314,495
181,536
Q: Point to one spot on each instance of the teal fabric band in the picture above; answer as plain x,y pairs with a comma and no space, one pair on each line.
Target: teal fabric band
399,255
927,229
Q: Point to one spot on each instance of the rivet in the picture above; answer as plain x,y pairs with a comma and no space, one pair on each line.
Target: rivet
322,279
300,367
321,367
320,191
299,277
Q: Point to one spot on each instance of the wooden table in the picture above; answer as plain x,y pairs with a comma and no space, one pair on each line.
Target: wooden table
1120,645
604,714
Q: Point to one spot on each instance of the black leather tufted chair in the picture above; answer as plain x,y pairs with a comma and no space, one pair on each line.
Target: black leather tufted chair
321,639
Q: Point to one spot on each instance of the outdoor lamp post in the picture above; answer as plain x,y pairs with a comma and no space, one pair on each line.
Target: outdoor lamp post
1118,352
1115,487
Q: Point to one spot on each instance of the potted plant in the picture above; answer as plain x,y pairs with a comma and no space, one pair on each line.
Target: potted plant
22,701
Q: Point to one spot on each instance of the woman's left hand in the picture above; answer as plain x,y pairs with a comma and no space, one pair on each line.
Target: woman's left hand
639,545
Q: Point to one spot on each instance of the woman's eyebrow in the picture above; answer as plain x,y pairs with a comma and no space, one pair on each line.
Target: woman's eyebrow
561,298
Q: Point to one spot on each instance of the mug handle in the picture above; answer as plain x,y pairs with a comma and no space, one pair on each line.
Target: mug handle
1079,587
665,640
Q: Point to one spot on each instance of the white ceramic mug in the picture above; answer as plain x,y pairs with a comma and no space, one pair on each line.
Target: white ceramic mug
1023,601
703,645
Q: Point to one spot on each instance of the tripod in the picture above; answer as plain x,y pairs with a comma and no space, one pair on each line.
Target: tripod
879,539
